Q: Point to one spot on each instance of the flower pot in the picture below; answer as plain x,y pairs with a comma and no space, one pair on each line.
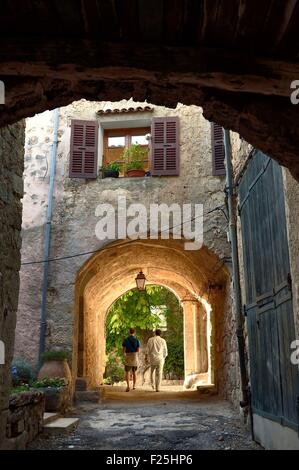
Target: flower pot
135,173
53,369
111,174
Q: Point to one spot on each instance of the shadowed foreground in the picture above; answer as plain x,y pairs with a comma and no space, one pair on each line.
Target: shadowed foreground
144,420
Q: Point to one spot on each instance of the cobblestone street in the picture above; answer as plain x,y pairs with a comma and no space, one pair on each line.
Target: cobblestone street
183,423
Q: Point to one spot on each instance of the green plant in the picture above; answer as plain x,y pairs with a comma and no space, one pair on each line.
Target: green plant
55,356
22,372
112,166
114,371
134,156
174,362
20,389
55,382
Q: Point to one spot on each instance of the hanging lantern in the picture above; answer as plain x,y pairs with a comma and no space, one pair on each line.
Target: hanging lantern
140,281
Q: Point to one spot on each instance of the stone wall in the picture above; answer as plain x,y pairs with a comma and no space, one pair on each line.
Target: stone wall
240,152
11,191
25,421
291,187
228,381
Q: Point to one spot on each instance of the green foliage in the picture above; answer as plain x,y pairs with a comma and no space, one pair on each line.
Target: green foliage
133,309
139,310
24,372
114,369
55,356
55,382
112,166
134,156
174,363
20,389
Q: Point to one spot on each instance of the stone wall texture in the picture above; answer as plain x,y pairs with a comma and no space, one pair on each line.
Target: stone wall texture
292,216
11,191
25,421
240,153
227,349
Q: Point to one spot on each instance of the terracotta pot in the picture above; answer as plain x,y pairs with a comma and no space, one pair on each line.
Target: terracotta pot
52,369
134,173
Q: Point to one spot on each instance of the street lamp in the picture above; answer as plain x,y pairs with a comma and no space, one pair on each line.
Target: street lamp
140,281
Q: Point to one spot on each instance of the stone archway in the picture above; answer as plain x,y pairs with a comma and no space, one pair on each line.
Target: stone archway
192,276
237,60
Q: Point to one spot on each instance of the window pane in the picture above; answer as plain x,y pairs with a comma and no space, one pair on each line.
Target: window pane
139,139
116,141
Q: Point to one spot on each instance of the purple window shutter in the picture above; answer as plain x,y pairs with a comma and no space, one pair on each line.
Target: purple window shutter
84,149
165,147
218,152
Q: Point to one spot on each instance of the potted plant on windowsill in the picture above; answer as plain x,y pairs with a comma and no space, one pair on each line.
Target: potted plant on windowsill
133,157
111,170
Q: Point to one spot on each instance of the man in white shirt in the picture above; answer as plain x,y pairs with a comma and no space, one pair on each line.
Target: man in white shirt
156,352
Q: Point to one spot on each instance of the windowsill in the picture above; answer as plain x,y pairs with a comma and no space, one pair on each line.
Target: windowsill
122,178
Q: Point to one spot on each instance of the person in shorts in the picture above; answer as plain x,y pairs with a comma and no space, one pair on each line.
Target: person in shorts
131,348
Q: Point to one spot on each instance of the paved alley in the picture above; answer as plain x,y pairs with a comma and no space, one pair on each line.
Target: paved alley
129,421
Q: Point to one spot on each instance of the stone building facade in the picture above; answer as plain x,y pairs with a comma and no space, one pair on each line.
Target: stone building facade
79,287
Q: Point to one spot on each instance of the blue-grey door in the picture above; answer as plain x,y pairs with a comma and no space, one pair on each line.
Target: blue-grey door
269,310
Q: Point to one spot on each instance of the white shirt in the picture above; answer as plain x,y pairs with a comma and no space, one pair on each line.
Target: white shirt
156,350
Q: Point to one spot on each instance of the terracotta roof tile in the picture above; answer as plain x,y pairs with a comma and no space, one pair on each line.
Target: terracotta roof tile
138,109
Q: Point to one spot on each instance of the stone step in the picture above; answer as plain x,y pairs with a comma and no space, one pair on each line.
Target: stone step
81,384
207,389
61,426
50,417
88,395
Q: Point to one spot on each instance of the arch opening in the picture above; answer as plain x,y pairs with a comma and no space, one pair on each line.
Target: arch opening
198,280
154,308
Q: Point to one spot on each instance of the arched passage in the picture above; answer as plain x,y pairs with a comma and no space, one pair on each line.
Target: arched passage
198,279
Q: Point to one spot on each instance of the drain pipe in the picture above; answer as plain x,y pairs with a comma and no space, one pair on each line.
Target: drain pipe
236,268
43,323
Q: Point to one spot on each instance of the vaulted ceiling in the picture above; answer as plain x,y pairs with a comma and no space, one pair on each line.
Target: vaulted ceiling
235,58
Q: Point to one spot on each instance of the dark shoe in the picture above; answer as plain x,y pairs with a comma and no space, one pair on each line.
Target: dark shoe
128,389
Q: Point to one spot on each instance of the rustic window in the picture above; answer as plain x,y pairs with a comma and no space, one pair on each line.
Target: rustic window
116,140
218,152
